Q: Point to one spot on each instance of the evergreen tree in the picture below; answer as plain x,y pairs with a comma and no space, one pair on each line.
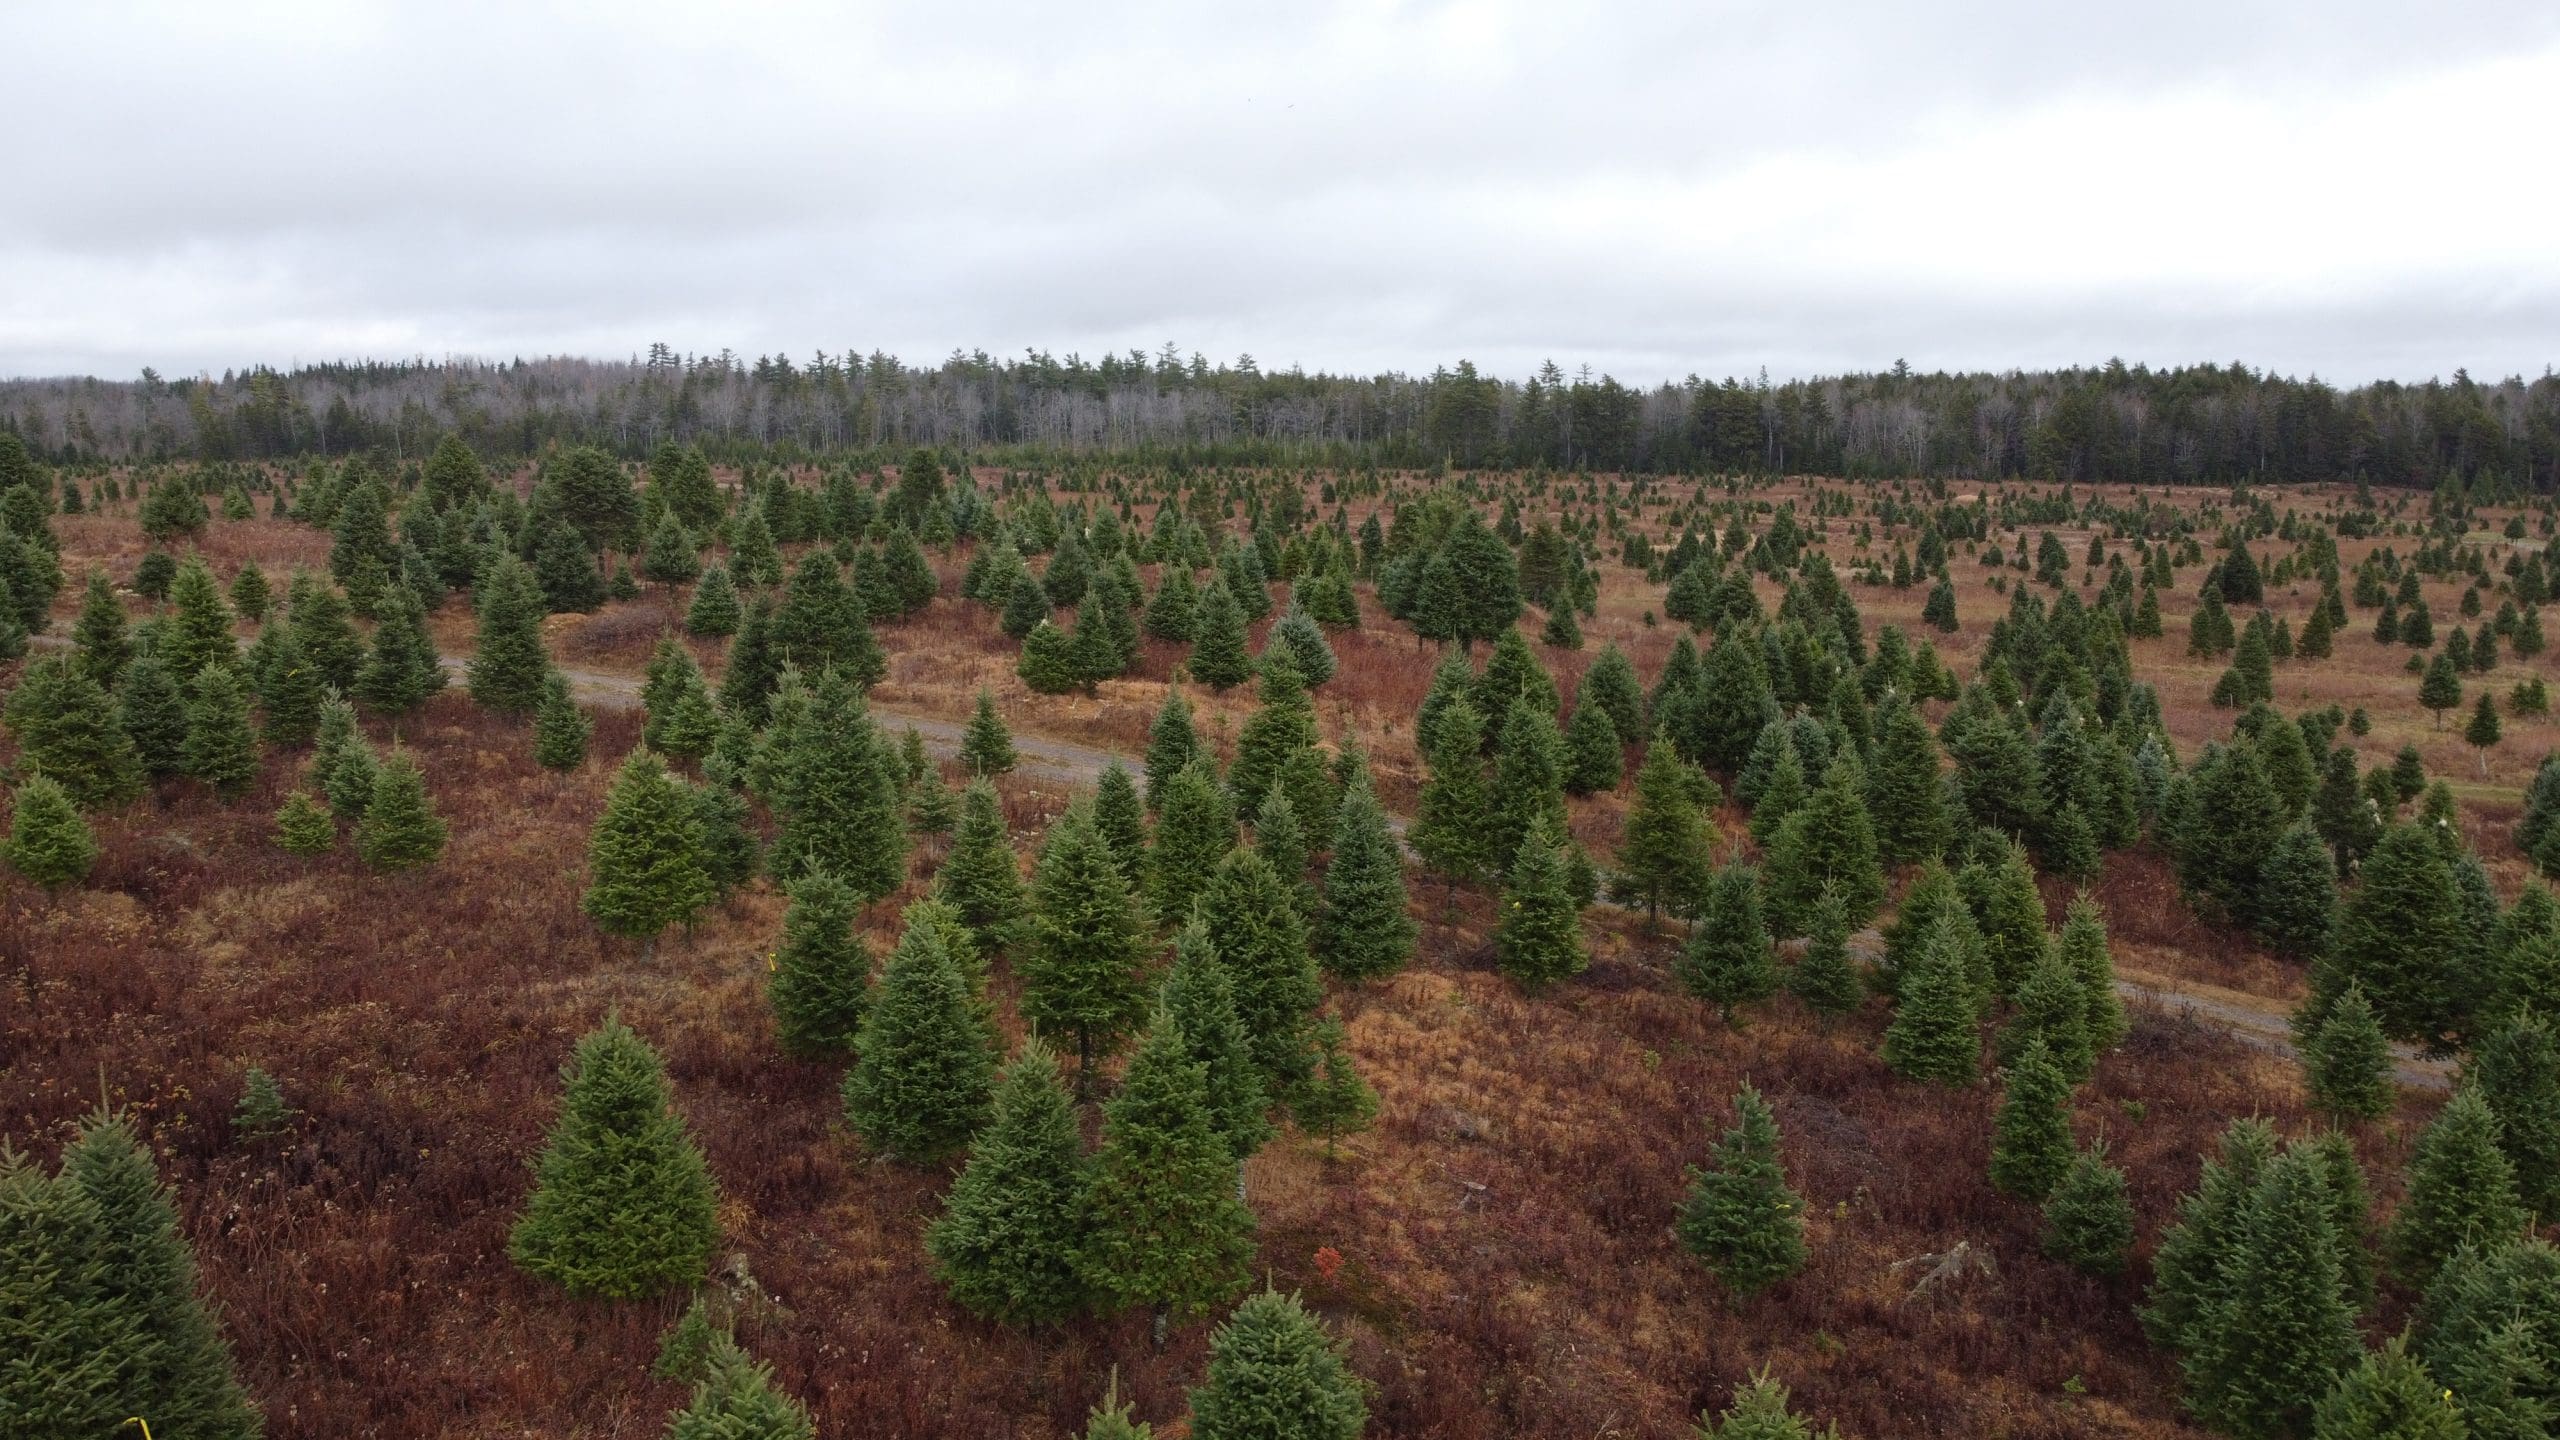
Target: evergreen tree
261,1113
1195,828
48,841
1219,658
2082,949
1741,1217
623,1205
152,707
221,748
2298,893
402,670
839,800
821,977
986,747
68,728
1759,1412
2388,1396
318,615
1110,1418
2031,1147
560,728
1452,829
1200,997
1539,941
2461,1189
2088,1220
100,636
1729,959
927,1061
199,630
303,827
2051,1011
1335,1101
2009,911
1284,725
1904,793
289,691
1053,663
1594,759
1274,1372
62,1333
2441,689
736,1399
980,877
1364,928
1665,859
1171,745
2186,1286
1083,971
2281,1330
1006,1241
2401,936
1829,845
1823,977
2518,1070
645,860
715,608
250,593
1528,780
1165,1226
2347,1065
1933,1035
400,829
509,665
1252,915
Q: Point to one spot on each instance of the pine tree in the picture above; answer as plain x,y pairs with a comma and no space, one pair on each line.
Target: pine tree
1171,745
261,1113
1540,940
927,1061
2082,949
1528,780
1933,1035
2518,1070
1823,977
986,747
1283,725
63,1333
980,876
1741,1217
289,690
221,747
1006,1241
1828,844
1200,997
2347,1065
68,728
48,841
2009,911
1759,1412
402,670
839,801
821,974
645,860
199,632
1904,793
2400,935
1335,1101
101,637
152,707
2461,1189
2388,1396
1110,1418
1273,1372
1219,658
1665,856
623,1205
715,608
1263,943
2088,1221
2032,1137
1283,842
175,1366
2280,1330
400,829
1083,970
1452,830
2441,689
1365,927
736,1399
1729,960
303,827
2186,1282
1195,828
509,665
1166,1229
2052,1011
1595,760
560,728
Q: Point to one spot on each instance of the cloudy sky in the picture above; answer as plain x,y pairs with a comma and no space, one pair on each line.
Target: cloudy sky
2357,189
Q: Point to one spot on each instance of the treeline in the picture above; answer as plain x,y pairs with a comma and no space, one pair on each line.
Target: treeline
2206,424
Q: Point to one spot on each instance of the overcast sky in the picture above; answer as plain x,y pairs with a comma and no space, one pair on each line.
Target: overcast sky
2357,189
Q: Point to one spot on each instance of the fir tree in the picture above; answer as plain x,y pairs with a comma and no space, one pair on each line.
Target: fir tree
927,1061
560,728
2009,911
2186,1285
1082,971
1052,663
64,1335
1452,830
623,1205
1263,943
1904,792
2280,1329
1219,658
2051,1011
1172,744
1273,1371
1335,1101
261,1113
2441,689
1741,1217
1006,1241
2297,893
2461,1189
2088,1221
1933,1035
986,747
250,593
1200,997
980,877
2388,1396
400,829
289,691
736,1399
1759,1412
1828,844
821,975
1165,1227
1664,859
1283,725
68,728
645,858
1594,759
1364,928
304,827
2399,935
1110,1418
509,666
2031,1147
1729,960
199,632
2347,1065
342,762
48,841
1823,977
2082,949
1195,828
839,801
715,608
2518,1071
1528,780
100,636
1539,941
221,748
401,670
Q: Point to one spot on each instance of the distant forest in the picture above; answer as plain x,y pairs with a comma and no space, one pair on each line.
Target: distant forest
2207,424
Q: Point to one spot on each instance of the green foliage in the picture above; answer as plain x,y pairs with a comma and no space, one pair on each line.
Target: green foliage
221,748
2401,936
1364,929
2347,1065
1539,940
1729,960
2462,1189
400,829
1594,758
509,665
2088,1220
304,827
927,1061
1083,970
986,747
645,859
48,841
839,796
1826,845
736,1399
2388,1396
1195,828
1665,858
1219,658
1335,1101
1171,744
2031,1145
821,975
623,1205
1200,997
1759,1412
1933,1035
2517,1067
980,877
1274,1373
1005,1243
100,636
1823,977
1166,1227
1452,829
1253,915
401,669
1740,1216
2277,1329
68,728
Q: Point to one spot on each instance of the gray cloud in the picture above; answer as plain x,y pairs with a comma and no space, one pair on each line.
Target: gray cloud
1653,189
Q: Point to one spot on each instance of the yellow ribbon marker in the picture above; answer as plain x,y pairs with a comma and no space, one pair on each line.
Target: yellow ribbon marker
138,1420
